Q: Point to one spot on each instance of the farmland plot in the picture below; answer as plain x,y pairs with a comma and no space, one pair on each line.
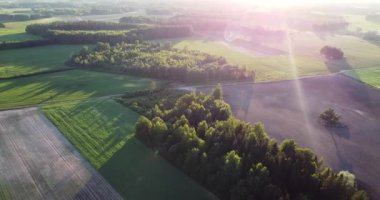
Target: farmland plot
37,162
290,110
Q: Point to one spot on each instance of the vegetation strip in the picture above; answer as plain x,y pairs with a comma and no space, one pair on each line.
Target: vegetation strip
234,159
130,167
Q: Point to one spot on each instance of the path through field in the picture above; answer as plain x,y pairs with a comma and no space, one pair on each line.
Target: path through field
290,109
37,162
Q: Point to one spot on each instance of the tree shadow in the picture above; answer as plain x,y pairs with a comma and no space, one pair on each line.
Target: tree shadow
340,131
338,65
351,85
343,162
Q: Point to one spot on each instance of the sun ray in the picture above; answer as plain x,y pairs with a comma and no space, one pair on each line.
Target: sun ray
297,84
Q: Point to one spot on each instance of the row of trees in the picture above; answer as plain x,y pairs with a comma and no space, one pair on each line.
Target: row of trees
160,61
24,44
236,160
22,17
44,29
137,20
330,26
92,32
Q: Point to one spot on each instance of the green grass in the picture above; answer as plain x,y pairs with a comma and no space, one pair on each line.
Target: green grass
359,21
267,68
24,61
15,31
68,85
370,76
305,48
103,131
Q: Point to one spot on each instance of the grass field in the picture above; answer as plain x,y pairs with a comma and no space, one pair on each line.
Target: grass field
15,31
370,76
68,85
37,162
103,132
267,68
359,21
24,61
306,57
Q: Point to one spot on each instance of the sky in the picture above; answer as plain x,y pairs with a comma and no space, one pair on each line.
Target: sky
303,2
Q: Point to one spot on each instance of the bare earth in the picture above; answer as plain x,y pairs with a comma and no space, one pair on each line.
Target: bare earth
37,162
291,111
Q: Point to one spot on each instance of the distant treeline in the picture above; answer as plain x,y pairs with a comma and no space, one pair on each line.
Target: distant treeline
199,22
43,29
92,32
22,17
137,20
160,61
330,26
158,12
234,159
24,44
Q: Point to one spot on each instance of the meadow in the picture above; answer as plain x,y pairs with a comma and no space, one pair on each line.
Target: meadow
25,61
67,85
15,31
306,58
103,131
360,22
370,76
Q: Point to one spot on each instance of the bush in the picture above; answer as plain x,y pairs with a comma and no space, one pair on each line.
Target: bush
332,52
2,25
330,118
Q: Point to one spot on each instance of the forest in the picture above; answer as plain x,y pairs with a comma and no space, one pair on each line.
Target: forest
234,159
160,61
83,32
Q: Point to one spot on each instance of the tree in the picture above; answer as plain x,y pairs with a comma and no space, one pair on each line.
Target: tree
218,93
330,118
143,129
332,53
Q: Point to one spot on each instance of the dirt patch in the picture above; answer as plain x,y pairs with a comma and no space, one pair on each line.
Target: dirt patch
37,162
290,109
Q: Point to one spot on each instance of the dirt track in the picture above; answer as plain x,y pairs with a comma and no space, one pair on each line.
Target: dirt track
289,114
37,162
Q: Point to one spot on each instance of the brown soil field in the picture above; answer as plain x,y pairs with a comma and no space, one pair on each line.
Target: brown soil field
37,162
290,109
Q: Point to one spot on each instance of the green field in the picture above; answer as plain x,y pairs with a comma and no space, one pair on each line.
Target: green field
68,85
370,76
103,130
15,31
24,61
267,68
359,21
307,60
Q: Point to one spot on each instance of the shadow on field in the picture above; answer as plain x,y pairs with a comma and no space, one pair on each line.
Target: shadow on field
355,91
344,163
337,65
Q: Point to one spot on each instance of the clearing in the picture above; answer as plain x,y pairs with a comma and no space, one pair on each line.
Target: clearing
27,61
68,85
103,131
15,31
37,162
290,109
